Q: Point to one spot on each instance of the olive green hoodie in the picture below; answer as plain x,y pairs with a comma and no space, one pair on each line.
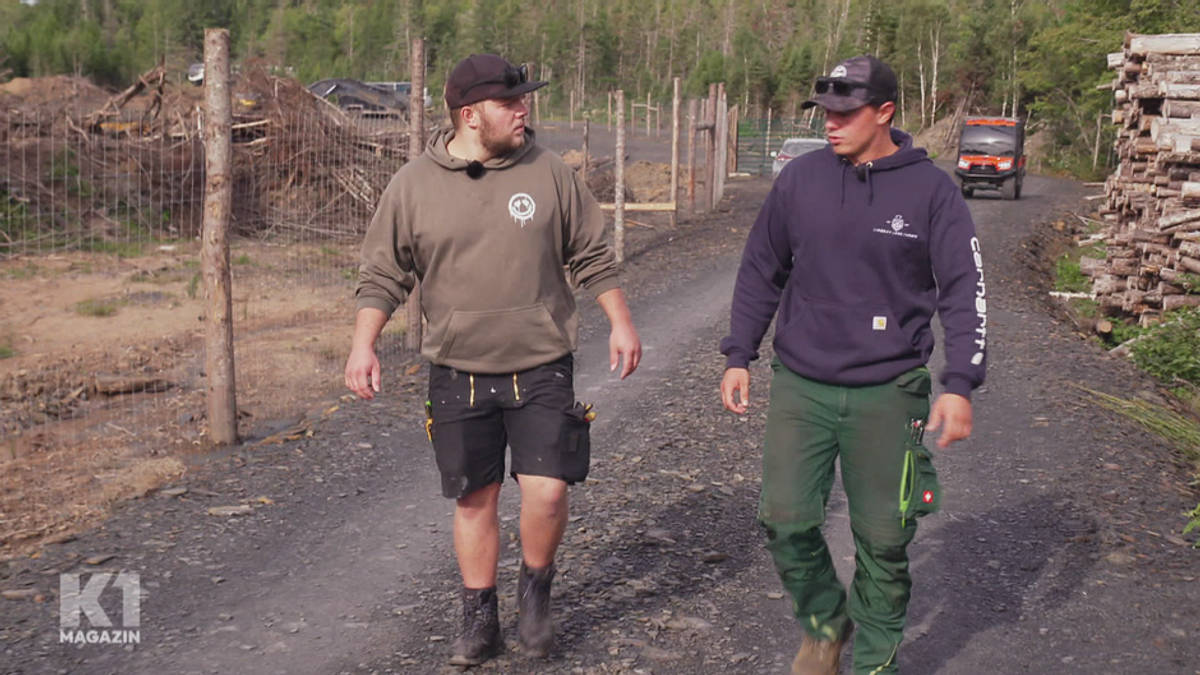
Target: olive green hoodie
493,255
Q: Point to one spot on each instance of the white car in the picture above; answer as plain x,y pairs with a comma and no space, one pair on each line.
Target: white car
793,148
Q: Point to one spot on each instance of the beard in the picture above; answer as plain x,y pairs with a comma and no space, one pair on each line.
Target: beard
497,143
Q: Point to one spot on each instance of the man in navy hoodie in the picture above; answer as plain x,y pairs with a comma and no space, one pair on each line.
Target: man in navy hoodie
856,247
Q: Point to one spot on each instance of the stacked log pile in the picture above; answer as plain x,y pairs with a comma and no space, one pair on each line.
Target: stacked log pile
1152,263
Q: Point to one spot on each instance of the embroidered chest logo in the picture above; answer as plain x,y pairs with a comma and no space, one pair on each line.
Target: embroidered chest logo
896,227
521,207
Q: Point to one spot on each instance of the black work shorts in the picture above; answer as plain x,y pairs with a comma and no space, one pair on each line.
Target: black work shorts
473,417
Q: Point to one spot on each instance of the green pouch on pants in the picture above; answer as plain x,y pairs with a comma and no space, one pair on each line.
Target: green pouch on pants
920,493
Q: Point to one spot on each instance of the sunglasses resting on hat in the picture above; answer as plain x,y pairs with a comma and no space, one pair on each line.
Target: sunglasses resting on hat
511,77
839,87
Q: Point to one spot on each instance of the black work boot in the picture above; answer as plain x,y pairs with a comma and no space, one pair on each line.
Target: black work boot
480,639
535,625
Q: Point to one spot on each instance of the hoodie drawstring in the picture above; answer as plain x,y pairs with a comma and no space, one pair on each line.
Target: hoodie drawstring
864,172
845,164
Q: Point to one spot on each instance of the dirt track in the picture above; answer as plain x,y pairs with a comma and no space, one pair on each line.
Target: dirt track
1053,553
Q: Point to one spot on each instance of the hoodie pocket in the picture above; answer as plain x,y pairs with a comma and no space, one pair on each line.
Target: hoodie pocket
826,332
501,336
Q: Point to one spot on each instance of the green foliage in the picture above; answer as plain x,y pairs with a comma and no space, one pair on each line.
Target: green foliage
1124,332
193,287
1181,431
1193,523
97,307
1172,351
1044,58
1068,278
243,259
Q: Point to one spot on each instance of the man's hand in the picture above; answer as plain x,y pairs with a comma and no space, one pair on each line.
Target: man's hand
625,347
363,372
736,381
623,343
953,412
362,368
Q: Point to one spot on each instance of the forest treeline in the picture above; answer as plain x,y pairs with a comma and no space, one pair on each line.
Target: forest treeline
1041,58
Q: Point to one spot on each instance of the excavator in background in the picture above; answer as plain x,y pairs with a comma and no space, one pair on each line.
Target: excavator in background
363,99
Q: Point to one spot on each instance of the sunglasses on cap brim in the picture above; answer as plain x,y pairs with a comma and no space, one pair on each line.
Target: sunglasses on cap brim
511,77
839,87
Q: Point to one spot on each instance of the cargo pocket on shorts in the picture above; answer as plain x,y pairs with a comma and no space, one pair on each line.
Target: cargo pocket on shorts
577,444
920,493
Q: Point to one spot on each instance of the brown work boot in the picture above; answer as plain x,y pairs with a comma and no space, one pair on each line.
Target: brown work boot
818,657
480,639
535,625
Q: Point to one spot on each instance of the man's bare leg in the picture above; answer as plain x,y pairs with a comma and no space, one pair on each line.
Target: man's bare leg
477,536
543,518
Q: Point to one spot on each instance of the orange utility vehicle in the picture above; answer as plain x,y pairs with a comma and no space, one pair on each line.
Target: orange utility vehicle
991,156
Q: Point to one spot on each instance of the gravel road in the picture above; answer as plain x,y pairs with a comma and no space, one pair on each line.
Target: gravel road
1056,551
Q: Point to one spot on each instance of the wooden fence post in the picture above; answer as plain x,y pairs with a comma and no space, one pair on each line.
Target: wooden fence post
415,326
647,114
767,144
721,147
619,171
218,203
711,145
691,155
583,166
675,152
732,153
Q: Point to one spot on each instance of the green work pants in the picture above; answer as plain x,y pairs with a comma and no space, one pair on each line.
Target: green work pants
889,481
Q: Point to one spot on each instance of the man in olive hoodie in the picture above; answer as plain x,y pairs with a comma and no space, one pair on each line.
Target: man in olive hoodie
856,247
497,230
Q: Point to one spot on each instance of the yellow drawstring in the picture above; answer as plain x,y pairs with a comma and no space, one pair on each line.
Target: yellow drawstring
516,389
472,402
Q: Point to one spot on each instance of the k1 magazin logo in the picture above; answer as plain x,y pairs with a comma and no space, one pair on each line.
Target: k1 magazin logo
78,599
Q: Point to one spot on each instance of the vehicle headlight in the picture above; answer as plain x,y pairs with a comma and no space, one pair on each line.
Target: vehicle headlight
964,164
1004,166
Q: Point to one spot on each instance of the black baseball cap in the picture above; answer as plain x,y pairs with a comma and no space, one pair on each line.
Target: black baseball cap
853,83
482,76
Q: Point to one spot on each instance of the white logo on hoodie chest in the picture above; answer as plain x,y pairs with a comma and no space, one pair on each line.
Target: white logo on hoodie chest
521,207
896,227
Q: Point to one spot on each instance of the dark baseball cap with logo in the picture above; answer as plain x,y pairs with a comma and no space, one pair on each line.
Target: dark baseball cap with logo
853,83
482,76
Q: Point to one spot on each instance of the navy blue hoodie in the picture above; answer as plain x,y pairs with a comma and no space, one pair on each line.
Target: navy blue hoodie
856,259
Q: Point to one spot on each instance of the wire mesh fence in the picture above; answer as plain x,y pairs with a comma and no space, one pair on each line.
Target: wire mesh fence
759,137
101,307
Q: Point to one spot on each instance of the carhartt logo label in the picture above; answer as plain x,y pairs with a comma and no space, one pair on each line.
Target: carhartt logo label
521,208
840,71
879,323
980,305
896,227
77,599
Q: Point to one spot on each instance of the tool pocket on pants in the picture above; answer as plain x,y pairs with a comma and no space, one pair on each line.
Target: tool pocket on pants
920,493
576,444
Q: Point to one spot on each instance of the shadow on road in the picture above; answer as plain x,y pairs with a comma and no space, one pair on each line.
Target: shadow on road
999,568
